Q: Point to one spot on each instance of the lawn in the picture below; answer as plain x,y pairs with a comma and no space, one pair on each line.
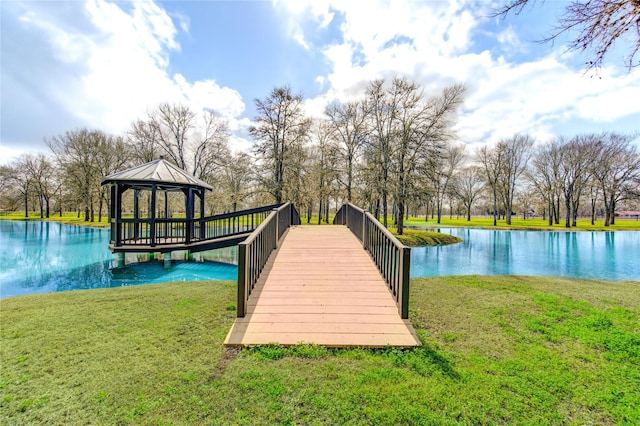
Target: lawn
525,224
497,350
67,218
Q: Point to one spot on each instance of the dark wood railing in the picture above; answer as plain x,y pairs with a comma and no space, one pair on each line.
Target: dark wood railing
164,231
254,252
392,258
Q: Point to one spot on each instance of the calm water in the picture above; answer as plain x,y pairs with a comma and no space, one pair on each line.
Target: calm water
43,257
603,255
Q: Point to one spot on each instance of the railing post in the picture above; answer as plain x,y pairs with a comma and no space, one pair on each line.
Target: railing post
364,228
405,263
277,227
242,280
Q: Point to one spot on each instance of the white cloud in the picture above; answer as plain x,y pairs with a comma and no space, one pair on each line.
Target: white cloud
434,43
116,61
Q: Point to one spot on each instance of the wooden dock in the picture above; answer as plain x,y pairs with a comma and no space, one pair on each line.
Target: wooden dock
320,286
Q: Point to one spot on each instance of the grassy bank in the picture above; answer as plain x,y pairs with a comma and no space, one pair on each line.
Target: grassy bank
66,219
419,237
518,223
496,350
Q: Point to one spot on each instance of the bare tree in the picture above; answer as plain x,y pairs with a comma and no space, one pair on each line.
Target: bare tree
442,175
280,131
112,155
424,129
545,175
469,187
382,110
199,146
349,127
237,178
577,157
324,157
18,178
211,147
617,169
516,152
491,163
599,24
41,174
76,154
142,140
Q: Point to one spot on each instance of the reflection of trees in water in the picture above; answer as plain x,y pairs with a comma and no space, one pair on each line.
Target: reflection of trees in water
597,255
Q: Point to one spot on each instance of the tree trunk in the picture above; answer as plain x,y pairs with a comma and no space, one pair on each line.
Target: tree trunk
400,223
593,211
612,204
326,210
384,209
495,208
26,204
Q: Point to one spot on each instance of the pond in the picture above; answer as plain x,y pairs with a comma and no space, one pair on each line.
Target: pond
43,257
598,255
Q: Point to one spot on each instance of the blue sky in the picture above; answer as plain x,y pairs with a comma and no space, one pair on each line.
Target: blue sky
101,64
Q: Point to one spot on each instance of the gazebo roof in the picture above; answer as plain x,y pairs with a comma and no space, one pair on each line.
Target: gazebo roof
160,172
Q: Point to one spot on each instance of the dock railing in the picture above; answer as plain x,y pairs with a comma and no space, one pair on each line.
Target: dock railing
254,252
392,258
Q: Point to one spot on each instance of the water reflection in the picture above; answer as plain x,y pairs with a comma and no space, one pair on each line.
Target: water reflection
604,255
41,257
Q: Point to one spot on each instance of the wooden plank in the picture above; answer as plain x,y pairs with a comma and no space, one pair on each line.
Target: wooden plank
322,301
377,318
323,309
371,340
320,328
322,287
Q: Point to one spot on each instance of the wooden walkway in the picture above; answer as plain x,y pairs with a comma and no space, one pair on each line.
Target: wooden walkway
321,287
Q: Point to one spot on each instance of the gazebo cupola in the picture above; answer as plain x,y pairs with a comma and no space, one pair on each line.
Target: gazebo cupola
153,225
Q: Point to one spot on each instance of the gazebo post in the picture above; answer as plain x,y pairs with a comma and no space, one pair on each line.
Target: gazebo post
190,209
202,224
152,221
113,215
136,215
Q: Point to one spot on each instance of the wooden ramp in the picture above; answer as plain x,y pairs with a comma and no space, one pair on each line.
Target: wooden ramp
321,287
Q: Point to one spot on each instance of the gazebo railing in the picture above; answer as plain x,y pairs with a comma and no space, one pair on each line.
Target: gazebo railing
154,232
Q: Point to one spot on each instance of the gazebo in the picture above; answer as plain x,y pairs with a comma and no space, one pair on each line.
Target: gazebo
152,228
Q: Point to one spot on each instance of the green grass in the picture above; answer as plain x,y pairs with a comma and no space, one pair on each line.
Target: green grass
497,350
67,218
526,224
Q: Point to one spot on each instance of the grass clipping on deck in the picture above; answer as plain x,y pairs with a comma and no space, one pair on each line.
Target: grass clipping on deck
496,350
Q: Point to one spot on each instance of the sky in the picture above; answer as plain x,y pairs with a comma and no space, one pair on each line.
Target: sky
103,64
